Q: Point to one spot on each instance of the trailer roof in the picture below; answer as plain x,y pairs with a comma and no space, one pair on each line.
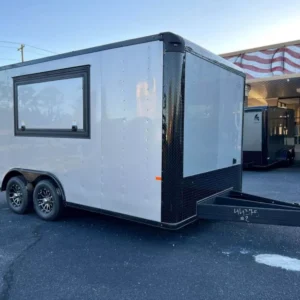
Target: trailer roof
256,108
213,57
265,107
173,43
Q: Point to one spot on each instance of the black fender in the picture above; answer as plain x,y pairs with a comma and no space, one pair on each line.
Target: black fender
32,177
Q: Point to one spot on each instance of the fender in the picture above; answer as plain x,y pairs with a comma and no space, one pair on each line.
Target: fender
32,176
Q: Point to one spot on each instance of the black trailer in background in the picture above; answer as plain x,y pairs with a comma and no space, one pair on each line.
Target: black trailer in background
268,137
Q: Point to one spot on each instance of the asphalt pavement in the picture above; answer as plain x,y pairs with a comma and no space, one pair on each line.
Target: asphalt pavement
90,256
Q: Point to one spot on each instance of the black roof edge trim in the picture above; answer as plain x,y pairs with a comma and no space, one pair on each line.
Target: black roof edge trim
173,42
261,108
256,108
131,42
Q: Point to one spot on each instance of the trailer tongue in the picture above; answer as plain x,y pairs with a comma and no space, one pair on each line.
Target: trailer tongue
240,207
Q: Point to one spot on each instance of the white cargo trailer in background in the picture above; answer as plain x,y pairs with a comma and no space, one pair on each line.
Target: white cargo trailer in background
142,129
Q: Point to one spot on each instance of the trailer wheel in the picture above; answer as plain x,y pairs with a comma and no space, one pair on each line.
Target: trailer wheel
17,195
47,201
292,158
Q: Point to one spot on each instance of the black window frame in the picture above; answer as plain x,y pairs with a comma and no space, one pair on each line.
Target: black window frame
53,75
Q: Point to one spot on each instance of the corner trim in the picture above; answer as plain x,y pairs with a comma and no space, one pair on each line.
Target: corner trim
172,136
173,42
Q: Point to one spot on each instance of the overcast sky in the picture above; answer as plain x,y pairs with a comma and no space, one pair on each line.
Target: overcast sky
220,26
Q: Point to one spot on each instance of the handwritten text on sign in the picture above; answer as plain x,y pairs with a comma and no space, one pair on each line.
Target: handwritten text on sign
245,213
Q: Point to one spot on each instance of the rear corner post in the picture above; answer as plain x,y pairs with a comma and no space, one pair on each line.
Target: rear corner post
172,127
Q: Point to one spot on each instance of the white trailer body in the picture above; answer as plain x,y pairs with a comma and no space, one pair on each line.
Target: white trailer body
141,129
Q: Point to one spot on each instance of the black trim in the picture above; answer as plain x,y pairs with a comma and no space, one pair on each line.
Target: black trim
87,51
242,141
256,108
265,137
201,186
170,226
61,74
294,97
173,43
172,135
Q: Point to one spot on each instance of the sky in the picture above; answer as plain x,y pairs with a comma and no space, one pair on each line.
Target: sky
218,25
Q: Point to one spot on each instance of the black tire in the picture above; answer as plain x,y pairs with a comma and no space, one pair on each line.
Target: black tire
47,201
289,160
286,163
17,196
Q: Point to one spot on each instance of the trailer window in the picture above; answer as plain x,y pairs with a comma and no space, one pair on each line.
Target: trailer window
53,104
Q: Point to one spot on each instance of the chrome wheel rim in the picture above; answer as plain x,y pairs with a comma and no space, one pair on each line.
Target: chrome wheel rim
45,201
15,195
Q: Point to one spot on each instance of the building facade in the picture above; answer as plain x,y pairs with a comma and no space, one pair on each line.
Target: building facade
273,77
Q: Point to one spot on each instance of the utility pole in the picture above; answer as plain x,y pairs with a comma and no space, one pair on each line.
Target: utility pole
22,52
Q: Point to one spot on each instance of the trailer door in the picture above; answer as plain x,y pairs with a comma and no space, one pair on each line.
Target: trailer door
252,137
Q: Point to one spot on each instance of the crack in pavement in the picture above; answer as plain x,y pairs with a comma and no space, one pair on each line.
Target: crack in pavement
8,277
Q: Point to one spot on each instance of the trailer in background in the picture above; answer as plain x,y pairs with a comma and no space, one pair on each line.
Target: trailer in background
268,138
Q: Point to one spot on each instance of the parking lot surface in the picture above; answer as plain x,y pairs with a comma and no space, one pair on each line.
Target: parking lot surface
90,256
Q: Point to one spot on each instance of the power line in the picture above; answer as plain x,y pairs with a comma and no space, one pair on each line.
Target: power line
2,58
41,49
22,46
8,47
9,42
29,51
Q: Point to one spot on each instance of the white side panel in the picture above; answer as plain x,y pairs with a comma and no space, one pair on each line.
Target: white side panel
131,130
252,138
212,117
114,170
